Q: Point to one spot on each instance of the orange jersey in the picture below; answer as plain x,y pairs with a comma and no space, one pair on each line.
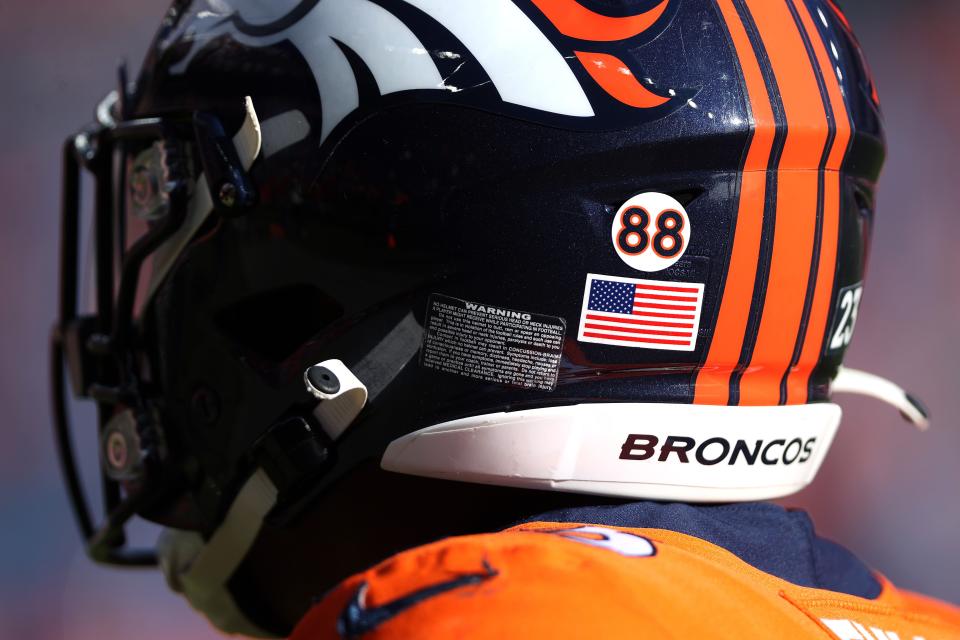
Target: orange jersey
563,580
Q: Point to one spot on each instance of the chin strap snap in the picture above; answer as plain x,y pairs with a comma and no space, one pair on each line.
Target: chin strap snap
341,394
339,389
868,384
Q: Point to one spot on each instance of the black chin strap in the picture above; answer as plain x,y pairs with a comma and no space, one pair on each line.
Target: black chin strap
386,360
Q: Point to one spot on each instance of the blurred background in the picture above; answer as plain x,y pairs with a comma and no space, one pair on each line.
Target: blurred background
887,492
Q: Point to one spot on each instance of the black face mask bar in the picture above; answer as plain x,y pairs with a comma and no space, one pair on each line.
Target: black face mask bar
100,351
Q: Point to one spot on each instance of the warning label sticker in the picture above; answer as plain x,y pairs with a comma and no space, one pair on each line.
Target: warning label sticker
492,344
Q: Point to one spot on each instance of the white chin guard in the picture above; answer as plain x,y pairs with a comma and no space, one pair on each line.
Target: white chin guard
651,451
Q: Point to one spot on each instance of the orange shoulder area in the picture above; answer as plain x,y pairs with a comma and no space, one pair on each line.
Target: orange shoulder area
566,581
948,613
895,615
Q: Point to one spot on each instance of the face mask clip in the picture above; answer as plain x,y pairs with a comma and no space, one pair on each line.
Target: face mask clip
232,190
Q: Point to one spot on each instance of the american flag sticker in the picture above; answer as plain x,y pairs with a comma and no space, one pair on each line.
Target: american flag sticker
647,314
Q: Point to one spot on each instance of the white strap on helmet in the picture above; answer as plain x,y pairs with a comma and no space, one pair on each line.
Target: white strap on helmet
868,384
200,571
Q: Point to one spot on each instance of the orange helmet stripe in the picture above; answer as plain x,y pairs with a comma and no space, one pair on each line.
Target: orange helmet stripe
713,380
799,375
797,196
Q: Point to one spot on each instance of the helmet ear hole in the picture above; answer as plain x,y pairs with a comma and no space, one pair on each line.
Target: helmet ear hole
686,196
274,324
864,203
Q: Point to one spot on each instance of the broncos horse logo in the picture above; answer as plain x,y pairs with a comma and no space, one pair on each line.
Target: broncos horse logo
546,58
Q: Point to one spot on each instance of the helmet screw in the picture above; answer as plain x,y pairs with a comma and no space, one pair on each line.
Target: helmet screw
228,194
99,344
116,450
323,380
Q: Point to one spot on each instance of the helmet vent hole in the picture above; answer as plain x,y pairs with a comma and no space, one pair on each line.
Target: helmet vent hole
864,203
274,324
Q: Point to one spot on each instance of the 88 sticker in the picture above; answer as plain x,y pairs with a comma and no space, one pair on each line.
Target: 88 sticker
651,231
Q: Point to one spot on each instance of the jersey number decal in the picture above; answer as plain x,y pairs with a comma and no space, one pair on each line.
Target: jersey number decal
848,309
634,237
651,231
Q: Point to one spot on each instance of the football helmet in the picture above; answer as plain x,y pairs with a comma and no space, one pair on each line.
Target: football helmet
604,247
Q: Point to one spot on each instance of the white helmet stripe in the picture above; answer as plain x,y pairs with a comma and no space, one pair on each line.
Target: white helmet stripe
396,57
525,67
335,80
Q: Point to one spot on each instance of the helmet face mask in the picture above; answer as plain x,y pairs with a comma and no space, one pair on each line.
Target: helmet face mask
144,191
83,340
331,202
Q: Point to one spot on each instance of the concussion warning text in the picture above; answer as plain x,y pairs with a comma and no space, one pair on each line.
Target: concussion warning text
492,344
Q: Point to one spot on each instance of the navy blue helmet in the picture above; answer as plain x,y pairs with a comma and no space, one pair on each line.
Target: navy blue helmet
610,247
